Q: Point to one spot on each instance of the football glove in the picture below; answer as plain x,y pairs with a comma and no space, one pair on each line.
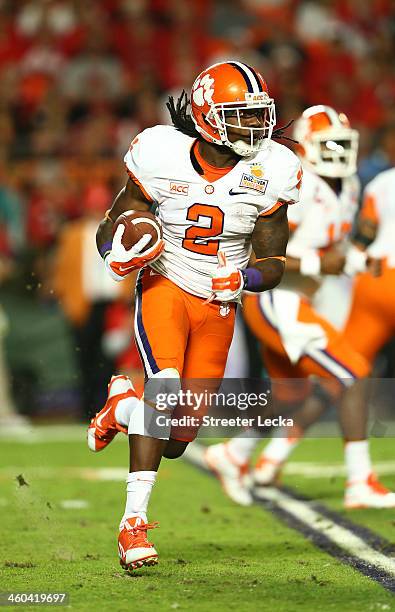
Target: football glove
227,281
120,261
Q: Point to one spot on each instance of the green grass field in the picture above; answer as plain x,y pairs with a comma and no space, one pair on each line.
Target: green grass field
213,554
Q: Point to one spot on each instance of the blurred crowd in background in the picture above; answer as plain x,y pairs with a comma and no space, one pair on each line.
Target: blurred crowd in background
79,79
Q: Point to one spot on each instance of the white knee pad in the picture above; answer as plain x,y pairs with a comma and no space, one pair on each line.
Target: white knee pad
153,414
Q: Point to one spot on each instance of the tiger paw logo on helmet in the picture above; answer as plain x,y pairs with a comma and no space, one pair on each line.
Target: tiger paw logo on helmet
218,96
203,91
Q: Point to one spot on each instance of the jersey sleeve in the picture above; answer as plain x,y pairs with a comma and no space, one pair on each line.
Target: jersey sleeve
307,233
290,191
295,216
369,208
139,164
376,197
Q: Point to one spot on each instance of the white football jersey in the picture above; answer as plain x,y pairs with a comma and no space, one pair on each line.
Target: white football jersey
321,218
379,204
201,217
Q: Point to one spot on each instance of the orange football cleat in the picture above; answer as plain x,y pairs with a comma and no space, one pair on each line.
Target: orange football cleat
104,427
267,472
232,476
134,549
368,494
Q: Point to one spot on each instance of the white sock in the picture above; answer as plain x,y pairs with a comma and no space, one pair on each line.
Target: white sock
138,491
280,447
124,410
357,458
242,446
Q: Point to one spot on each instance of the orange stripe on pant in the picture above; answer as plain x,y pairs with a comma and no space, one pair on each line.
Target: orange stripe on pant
175,329
276,359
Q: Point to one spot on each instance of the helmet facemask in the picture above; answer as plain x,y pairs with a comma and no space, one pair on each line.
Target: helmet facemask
332,152
219,115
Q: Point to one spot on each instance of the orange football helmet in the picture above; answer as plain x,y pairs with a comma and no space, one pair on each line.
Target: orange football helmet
226,89
327,144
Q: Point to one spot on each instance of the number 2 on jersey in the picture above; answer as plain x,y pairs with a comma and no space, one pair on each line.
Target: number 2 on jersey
196,236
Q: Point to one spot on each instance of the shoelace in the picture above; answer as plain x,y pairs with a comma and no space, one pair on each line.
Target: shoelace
141,530
143,527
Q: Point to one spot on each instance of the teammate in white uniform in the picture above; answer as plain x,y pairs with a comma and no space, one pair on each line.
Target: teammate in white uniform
222,187
371,322
296,342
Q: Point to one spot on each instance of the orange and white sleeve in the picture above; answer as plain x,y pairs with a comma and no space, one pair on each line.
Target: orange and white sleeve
291,191
369,208
137,162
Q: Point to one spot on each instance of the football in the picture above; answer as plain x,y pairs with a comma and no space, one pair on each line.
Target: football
137,224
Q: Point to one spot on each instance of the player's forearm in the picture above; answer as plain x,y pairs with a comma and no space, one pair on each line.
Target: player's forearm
105,230
104,237
365,233
129,198
292,264
263,275
269,243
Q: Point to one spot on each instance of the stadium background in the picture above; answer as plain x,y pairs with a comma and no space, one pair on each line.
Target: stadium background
78,81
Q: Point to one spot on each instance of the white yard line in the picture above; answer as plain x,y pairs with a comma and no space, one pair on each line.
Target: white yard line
300,468
314,520
324,470
74,432
49,433
338,534
74,504
118,474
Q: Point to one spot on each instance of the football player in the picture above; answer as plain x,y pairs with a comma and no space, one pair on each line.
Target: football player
373,302
296,342
222,186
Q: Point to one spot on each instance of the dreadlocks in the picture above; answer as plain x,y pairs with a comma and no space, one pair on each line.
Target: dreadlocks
279,132
182,121
180,116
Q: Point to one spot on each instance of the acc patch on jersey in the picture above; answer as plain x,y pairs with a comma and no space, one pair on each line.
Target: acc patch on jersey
249,181
179,188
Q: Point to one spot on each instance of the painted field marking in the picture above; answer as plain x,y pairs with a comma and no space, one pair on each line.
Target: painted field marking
350,543
74,504
118,474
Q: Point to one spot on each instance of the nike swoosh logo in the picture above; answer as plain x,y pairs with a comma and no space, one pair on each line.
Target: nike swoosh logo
237,192
122,269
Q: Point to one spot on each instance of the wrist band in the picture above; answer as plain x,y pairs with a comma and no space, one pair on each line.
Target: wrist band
105,248
253,279
310,264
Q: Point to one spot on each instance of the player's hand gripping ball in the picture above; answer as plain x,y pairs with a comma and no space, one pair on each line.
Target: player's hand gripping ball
137,241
